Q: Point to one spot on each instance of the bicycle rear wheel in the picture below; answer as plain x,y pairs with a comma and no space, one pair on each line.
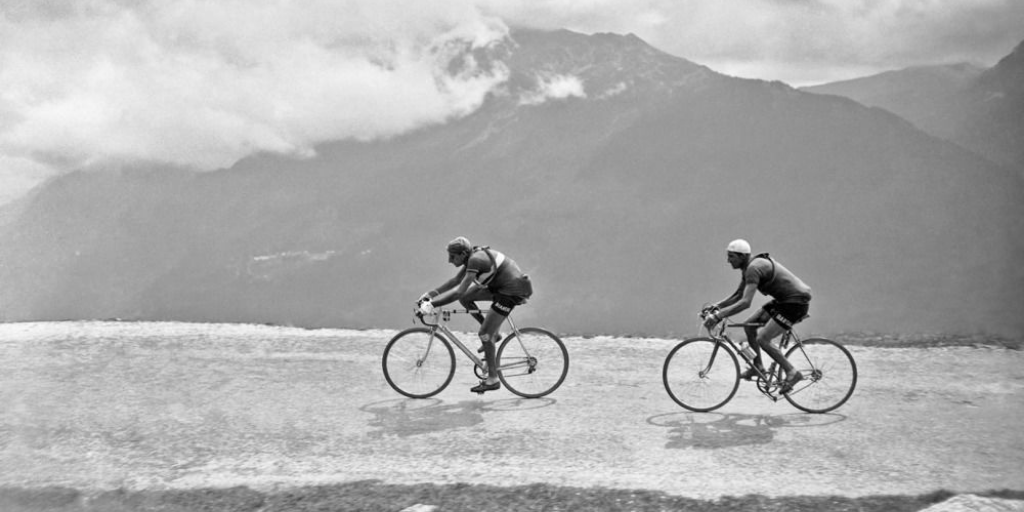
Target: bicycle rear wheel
532,364
417,363
701,375
830,375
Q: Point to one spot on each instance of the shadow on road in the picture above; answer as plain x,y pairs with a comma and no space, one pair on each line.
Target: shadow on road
405,417
714,430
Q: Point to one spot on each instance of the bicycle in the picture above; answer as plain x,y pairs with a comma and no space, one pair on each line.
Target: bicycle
419,362
700,378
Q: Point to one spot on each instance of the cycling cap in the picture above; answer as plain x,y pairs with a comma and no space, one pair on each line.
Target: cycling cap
739,245
459,245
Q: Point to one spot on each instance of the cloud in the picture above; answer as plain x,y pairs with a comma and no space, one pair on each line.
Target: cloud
613,91
554,87
797,41
203,84
19,175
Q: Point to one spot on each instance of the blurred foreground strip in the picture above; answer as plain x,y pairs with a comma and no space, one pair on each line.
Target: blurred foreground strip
420,508
972,503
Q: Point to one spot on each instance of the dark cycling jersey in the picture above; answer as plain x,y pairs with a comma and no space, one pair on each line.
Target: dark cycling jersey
497,272
775,280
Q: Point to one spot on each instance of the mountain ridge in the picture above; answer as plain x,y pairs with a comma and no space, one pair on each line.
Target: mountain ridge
978,108
618,205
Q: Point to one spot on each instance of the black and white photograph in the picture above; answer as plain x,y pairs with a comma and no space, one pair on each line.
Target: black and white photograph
506,255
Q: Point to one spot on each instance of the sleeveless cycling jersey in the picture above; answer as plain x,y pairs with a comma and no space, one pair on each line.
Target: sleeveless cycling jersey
774,280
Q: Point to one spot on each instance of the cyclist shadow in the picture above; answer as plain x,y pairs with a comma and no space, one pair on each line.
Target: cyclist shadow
404,417
710,431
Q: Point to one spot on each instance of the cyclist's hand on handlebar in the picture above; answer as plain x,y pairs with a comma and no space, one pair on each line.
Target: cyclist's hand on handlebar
425,308
711,319
708,309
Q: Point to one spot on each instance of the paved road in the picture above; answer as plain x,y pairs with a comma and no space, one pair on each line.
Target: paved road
164,405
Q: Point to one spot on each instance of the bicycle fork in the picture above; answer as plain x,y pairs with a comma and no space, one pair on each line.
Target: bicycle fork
711,361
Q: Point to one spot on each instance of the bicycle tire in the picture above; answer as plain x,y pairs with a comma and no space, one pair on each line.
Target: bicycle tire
830,375
697,383
532,364
418,364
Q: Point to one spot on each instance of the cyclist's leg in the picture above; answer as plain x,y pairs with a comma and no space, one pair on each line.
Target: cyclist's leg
771,331
783,317
488,331
757,318
500,309
470,299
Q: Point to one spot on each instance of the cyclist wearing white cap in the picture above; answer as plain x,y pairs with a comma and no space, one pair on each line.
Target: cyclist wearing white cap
789,305
484,274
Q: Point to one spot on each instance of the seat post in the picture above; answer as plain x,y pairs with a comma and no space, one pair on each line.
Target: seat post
512,324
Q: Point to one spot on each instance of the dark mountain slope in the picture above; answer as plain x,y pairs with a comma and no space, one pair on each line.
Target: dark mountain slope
989,115
982,110
919,94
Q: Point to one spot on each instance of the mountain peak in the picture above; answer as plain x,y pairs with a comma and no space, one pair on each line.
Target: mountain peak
1007,76
1019,50
600,63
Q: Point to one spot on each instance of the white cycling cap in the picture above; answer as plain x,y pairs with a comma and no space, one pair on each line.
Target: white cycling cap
739,245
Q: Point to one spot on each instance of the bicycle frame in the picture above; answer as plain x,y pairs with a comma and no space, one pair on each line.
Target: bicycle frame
443,317
420,362
698,377
769,378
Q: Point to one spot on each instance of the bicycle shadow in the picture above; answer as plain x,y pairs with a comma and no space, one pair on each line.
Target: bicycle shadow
405,417
711,431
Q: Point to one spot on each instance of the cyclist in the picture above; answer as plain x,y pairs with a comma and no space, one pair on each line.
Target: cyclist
789,305
484,274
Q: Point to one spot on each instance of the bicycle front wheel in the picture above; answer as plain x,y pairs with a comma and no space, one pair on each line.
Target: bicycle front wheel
418,363
701,374
532,363
830,375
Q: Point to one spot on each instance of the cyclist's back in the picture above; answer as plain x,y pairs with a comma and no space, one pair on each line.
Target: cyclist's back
775,280
498,273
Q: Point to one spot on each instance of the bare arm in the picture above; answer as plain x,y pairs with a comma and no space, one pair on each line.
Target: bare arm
732,299
451,293
739,301
448,285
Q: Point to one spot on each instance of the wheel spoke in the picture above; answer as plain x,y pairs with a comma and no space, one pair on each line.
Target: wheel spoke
532,363
700,375
830,375
418,364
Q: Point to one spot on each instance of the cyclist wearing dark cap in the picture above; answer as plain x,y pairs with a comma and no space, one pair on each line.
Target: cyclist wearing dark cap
484,275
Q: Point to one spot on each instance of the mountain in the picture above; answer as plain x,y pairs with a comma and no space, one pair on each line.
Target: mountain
913,93
980,109
988,114
617,197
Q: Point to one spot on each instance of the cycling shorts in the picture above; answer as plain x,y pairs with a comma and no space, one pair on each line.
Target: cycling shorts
504,304
788,314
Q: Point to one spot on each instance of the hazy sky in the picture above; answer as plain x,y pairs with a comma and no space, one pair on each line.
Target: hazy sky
203,83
